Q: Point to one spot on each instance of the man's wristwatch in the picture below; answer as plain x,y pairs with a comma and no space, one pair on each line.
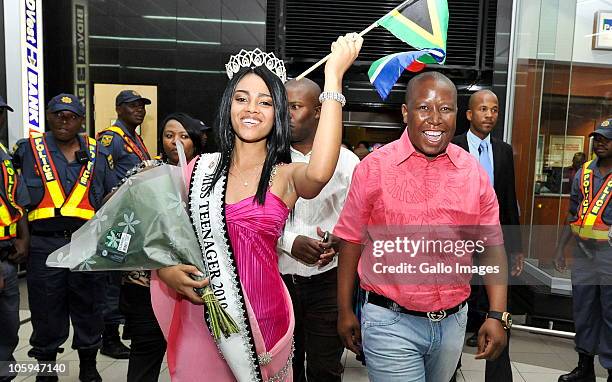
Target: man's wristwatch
504,317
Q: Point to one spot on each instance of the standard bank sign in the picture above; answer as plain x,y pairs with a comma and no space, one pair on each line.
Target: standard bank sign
32,66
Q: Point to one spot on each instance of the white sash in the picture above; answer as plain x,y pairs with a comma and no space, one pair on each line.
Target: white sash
208,218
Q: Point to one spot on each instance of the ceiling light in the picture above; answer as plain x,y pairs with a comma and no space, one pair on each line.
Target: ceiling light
205,20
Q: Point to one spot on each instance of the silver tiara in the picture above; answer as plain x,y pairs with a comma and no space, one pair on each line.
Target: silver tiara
254,58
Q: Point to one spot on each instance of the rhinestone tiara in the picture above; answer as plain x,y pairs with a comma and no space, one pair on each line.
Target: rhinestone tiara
254,58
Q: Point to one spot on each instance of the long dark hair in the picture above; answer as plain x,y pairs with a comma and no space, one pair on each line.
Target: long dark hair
278,141
192,127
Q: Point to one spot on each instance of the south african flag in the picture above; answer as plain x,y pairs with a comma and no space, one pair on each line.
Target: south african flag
422,24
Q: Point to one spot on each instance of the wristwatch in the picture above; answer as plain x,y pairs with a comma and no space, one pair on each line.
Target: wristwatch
504,317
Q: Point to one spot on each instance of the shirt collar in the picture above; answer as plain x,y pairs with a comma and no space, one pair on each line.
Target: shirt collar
120,125
52,143
475,140
406,149
298,152
594,166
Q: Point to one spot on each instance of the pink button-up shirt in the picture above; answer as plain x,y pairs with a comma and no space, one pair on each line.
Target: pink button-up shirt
397,191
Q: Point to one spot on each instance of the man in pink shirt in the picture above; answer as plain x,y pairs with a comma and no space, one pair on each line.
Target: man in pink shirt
405,196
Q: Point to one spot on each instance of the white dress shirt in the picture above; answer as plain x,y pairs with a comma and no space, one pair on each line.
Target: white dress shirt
322,211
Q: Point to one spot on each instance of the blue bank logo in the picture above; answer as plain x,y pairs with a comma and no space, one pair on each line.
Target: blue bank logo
607,25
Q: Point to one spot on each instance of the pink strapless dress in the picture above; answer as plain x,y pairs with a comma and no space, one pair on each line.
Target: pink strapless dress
254,231
192,353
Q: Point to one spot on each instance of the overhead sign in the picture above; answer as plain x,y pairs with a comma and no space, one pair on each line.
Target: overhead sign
602,35
80,54
32,78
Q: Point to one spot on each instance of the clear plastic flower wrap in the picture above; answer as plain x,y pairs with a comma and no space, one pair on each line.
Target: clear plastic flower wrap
143,226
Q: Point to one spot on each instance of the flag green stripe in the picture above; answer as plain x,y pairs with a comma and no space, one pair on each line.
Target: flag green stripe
378,65
404,33
427,59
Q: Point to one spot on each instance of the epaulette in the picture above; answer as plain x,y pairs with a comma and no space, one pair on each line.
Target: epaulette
19,143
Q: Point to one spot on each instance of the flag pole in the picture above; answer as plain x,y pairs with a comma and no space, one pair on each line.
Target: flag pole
363,32
324,59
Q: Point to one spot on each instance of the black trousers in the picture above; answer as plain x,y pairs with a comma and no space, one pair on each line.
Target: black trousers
9,316
148,345
58,296
112,313
316,334
592,306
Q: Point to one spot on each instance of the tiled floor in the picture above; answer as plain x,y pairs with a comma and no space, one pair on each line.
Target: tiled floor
535,358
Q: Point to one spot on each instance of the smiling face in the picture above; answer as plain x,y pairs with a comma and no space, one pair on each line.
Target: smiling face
64,124
252,110
430,114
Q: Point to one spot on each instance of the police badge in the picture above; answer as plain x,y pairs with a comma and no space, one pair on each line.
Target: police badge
106,140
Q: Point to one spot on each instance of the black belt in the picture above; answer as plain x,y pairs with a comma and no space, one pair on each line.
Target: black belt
385,302
64,234
297,279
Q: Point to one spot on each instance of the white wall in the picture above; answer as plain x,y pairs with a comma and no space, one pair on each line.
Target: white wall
560,30
542,29
585,16
527,28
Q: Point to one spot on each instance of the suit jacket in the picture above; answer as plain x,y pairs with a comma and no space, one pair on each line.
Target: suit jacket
503,175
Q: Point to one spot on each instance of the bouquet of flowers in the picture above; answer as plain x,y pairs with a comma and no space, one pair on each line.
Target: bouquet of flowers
143,226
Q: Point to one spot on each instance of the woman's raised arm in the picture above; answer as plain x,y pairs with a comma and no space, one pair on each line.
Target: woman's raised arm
309,180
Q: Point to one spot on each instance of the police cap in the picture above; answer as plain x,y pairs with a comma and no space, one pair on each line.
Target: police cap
604,129
203,127
4,105
68,102
130,96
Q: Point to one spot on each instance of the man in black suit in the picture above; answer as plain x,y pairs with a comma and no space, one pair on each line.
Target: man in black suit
496,157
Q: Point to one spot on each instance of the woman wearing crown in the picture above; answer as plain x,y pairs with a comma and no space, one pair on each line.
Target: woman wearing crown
239,200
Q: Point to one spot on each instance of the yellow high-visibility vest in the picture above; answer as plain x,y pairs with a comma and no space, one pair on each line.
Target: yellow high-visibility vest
54,202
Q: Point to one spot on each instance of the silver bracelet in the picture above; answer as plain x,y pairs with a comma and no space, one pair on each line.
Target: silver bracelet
333,96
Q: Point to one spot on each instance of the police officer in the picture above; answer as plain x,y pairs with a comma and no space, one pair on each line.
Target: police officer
207,139
126,147
590,218
14,242
126,150
67,176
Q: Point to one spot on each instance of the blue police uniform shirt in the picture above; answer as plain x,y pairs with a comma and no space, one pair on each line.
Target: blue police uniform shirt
122,159
22,198
576,199
102,182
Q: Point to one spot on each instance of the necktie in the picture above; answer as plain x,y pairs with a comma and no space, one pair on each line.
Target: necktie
485,161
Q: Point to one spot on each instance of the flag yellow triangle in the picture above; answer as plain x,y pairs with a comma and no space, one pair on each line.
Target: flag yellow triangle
435,38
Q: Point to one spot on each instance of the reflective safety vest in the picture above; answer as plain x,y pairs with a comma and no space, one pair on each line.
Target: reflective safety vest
54,202
142,155
589,224
10,211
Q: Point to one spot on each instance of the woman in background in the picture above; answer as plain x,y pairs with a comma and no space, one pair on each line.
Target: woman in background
148,343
